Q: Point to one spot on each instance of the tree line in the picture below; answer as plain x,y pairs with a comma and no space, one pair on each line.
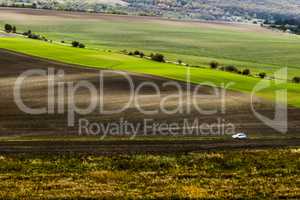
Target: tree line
234,69
246,72
153,56
213,65
284,24
8,28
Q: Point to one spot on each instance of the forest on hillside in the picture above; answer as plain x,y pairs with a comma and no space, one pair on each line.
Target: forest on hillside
229,10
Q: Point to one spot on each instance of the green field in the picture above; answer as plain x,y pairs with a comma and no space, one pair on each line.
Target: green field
246,46
117,61
195,43
244,174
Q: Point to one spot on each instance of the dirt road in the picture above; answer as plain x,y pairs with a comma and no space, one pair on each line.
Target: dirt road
141,147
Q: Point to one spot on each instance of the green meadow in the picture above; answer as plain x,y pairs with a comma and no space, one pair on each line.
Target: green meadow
197,44
246,46
116,61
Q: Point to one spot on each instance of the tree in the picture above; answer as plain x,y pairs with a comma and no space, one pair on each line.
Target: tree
34,6
8,28
158,57
246,72
75,43
214,65
296,79
14,29
136,52
179,62
262,75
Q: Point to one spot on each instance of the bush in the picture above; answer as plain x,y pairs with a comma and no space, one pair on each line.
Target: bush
179,62
62,41
81,45
246,72
75,43
8,28
296,79
142,54
262,75
231,68
214,65
27,33
130,53
78,44
158,57
34,36
136,52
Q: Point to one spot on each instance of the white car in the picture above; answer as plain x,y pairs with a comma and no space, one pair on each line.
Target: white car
240,136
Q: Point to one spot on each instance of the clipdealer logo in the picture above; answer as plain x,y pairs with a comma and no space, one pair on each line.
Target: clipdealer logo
280,120
187,98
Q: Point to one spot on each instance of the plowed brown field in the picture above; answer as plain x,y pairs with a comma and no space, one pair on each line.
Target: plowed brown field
116,94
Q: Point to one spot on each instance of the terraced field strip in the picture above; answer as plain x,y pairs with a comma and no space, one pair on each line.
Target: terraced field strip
108,60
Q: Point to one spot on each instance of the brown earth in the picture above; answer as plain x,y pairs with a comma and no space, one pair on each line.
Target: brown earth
34,92
25,14
139,147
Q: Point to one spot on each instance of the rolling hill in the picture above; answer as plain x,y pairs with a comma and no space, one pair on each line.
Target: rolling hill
108,60
195,43
231,10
